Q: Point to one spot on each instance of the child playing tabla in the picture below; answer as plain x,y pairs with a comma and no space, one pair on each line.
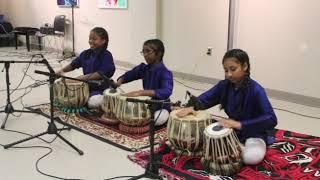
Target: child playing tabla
96,62
245,102
157,79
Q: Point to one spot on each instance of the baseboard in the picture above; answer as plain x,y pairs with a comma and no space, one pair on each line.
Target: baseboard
272,93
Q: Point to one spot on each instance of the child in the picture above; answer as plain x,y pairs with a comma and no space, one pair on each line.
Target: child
245,102
157,79
96,62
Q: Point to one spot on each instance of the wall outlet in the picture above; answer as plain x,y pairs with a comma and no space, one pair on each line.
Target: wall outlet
209,51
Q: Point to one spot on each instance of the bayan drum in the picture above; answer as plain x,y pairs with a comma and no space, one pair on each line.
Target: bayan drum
71,96
186,134
134,117
222,150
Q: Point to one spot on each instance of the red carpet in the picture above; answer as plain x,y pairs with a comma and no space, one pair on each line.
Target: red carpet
91,124
292,156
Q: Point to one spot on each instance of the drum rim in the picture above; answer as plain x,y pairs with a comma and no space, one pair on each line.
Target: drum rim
70,82
136,97
224,132
191,117
107,92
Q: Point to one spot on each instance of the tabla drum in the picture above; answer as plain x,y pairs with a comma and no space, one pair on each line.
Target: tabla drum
186,134
222,150
70,96
109,105
134,117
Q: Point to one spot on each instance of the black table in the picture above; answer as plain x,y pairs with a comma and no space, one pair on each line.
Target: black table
27,31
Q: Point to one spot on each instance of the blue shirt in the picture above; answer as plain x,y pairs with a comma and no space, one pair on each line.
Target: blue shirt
91,61
154,77
257,116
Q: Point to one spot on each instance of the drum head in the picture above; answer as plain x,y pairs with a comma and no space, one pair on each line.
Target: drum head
215,130
108,93
69,82
198,116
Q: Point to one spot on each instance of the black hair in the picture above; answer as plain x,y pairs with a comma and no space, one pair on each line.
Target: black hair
103,34
156,45
243,58
240,55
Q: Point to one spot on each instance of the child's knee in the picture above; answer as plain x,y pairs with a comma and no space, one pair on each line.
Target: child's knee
162,118
95,101
254,151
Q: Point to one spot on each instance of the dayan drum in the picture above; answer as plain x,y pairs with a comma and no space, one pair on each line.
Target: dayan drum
134,117
222,151
71,96
186,134
109,105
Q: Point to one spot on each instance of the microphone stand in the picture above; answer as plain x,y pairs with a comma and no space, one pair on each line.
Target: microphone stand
9,108
52,128
152,168
72,2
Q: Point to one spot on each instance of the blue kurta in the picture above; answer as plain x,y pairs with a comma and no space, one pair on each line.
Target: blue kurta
154,77
91,61
257,116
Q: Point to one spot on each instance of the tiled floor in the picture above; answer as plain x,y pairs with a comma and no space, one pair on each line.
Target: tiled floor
100,160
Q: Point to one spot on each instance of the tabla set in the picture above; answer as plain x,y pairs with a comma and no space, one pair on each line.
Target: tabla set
195,135
132,117
192,135
70,96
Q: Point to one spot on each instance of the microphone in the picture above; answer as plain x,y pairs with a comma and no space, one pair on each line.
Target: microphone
45,61
95,82
109,81
193,102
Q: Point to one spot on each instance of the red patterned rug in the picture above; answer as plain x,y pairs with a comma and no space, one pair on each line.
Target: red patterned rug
292,156
90,123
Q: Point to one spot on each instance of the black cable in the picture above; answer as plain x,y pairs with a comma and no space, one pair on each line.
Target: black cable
41,172
49,142
119,177
273,108
24,75
188,86
314,117
24,94
37,162
10,130
37,83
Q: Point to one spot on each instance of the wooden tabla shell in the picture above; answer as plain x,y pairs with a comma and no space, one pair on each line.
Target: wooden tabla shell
186,134
132,113
71,94
109,106
222,151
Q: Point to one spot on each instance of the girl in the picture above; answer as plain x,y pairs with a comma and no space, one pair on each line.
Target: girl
96,63
245,102
157,79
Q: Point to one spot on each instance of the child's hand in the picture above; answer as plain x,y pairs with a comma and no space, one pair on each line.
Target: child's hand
132,94
60,72
119,82
185,111
230,123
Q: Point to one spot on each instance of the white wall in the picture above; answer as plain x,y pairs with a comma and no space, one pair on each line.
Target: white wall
128,29
188,28
282,39
3,7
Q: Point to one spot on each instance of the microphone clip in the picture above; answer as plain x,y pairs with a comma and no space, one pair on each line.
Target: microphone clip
193,102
